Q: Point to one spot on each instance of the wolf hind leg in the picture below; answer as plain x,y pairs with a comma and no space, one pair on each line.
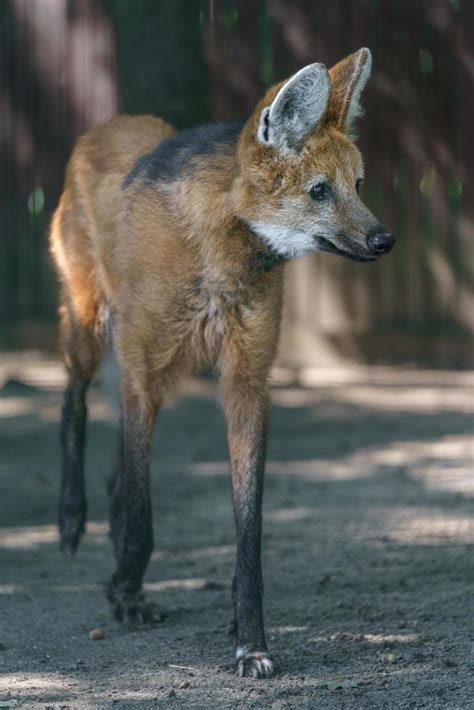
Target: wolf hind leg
131,508
81,346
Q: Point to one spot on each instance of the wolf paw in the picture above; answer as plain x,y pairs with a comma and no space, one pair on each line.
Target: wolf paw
253,664
132,609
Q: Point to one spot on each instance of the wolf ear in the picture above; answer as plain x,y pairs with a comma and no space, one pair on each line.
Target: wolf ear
296,109
348,79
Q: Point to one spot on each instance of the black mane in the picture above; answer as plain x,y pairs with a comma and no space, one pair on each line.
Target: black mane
173,157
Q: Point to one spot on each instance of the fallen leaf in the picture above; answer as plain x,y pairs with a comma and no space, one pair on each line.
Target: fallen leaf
97,634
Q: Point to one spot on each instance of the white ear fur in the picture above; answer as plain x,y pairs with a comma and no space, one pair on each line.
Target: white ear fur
362,73
296,110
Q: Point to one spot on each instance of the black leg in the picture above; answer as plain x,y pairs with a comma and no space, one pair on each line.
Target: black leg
131,516
246,416
72,504
81,347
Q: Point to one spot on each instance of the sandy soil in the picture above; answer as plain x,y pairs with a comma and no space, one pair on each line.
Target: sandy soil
368,556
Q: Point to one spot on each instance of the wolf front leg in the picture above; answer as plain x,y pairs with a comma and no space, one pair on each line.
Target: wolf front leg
131,511
246,413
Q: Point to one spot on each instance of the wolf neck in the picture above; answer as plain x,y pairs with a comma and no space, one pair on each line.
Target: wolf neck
202,167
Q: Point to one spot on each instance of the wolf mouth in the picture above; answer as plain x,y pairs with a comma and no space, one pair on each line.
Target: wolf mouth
326,245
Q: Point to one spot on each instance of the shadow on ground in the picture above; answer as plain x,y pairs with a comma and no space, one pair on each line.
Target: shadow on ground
367,553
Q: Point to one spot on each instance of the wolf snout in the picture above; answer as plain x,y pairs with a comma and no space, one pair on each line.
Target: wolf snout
379,241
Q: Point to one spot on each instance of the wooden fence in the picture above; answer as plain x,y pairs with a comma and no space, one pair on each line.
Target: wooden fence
67,64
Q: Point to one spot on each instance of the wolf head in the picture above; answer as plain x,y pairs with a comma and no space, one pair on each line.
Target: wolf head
300,171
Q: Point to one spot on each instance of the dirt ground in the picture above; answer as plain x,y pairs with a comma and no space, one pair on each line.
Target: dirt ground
368,556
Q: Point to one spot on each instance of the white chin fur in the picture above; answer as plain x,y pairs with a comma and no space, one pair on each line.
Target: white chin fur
284,240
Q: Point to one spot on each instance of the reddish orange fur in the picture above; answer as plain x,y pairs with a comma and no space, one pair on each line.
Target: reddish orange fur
130,252
181,271
133,256
181,279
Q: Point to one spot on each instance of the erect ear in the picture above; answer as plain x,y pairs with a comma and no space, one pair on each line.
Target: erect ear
296,109
348,78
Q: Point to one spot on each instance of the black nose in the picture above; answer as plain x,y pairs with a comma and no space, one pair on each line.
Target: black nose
379,241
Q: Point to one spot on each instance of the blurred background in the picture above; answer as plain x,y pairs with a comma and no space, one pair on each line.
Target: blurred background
69,64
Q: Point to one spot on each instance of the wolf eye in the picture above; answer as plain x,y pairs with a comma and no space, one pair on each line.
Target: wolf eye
359,182
321,191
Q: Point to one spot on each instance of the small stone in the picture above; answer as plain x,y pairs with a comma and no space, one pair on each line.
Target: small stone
97,634
389,658
184,685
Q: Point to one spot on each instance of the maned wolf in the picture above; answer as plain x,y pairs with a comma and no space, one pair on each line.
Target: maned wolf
179,240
